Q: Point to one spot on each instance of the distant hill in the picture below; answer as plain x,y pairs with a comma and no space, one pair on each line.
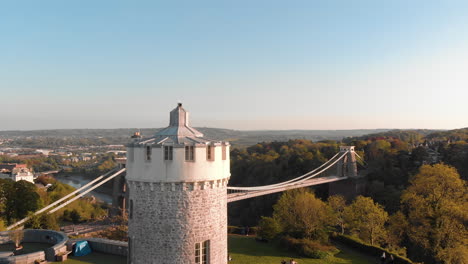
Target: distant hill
453,135
247,138
43,138
240,138
406,135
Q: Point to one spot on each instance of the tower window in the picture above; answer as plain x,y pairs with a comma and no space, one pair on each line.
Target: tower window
224,152
148,152
189,153
209,153
202,250
168,152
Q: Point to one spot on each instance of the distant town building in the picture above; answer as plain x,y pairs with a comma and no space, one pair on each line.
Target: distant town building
44,152
16,172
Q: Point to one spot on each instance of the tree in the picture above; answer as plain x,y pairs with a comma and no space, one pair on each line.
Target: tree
337,204
6,187
75,216
43,221
26,199
301,213
397,228
419,155
17,199
436,203
269,228
2,225
366,219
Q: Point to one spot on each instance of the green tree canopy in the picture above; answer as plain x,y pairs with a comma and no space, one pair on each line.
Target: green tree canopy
20,199
397,228
437,206
269,228
337,204
300,212
366,219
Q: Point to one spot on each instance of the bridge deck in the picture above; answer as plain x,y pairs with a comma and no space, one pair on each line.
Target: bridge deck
237,196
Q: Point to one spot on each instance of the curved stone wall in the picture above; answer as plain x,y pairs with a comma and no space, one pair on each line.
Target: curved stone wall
57,239
167,220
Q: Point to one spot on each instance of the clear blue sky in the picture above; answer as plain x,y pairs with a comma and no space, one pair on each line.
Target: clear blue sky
234,64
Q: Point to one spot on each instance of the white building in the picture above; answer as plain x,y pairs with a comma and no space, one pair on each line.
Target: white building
16,172
23,176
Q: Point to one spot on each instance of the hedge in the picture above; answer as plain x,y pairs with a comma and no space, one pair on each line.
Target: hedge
369,249
241,230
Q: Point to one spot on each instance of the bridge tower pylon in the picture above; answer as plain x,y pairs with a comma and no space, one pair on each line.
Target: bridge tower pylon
347,166
354,185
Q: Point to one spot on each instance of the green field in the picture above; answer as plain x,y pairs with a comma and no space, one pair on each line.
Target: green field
245,250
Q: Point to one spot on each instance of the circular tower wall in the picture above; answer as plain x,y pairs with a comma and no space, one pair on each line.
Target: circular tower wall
177,196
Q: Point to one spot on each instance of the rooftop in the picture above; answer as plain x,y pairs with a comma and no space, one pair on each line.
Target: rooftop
179,131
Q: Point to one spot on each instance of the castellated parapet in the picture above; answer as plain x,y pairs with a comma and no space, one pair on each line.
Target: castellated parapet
177,196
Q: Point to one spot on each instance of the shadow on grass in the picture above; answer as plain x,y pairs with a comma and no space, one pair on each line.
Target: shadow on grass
249,246
245,250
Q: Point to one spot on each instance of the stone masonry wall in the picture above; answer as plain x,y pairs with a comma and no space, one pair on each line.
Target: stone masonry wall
166,220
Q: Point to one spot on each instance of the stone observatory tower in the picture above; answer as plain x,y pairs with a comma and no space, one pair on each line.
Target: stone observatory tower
177,196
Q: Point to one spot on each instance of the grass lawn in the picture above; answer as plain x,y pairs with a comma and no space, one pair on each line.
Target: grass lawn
245,250
95,258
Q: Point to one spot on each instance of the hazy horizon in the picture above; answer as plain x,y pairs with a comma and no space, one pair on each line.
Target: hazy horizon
327,65
241,130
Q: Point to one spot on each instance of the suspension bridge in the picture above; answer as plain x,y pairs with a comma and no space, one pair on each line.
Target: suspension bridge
344,163
342,166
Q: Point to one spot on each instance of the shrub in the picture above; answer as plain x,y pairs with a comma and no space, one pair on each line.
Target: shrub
308,248
43,221
233,230
253,230
269,228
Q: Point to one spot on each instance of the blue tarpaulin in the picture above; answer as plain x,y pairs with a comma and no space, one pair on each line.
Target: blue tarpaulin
81,248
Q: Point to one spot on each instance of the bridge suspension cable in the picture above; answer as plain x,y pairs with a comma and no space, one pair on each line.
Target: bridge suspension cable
88,190
281,183
296,180
93,185
364,163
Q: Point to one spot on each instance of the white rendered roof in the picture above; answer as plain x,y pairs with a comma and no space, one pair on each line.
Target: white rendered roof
179,131
179,125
